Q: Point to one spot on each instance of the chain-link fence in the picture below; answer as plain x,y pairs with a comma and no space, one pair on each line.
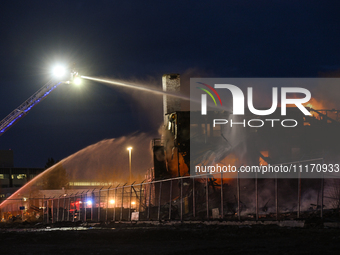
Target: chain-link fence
207,197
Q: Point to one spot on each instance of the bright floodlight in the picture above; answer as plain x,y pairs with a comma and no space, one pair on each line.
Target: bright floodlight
112,201
77,81
129,148
59,71
89,202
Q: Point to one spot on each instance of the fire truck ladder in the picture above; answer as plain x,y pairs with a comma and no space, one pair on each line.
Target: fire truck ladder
26,106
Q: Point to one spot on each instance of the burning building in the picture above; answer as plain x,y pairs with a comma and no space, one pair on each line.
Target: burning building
255,140
168,191
255,143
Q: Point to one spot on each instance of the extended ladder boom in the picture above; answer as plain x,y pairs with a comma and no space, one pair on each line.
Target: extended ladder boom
26,106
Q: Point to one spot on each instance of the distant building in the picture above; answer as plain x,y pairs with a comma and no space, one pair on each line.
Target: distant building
11,178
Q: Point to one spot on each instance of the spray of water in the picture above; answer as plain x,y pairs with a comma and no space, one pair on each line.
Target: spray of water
135,86
155,91
103,162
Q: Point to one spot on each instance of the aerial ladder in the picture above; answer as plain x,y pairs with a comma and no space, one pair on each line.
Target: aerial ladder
36,98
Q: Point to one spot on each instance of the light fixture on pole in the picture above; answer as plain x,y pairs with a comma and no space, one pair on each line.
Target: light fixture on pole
129,149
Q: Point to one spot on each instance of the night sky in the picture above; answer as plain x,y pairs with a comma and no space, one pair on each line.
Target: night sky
140,41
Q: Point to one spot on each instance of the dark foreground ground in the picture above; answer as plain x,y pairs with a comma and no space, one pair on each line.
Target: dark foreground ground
180,239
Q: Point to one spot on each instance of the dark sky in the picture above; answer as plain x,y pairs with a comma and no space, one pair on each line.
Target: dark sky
141,40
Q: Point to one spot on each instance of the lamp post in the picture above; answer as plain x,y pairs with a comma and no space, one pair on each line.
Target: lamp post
129,149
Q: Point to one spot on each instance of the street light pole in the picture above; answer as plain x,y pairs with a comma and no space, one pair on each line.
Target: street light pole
129,149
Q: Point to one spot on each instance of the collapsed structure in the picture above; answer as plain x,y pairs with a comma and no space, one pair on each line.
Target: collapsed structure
313,137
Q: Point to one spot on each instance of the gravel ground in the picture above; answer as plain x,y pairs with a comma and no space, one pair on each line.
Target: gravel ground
181,239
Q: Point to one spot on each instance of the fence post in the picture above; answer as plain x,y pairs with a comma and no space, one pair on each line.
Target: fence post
48,213
107,201
93,201
64,204
85,206
98,211
207,196
276,197
121,209
58,208
43,206
193,198
74,206
238,197
256,198
140,199
69,207
181,183
99,199
149,201
299,195
52,209
222,200
81,202
114,208
322,193
129,217
170,202
80,205
159,200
